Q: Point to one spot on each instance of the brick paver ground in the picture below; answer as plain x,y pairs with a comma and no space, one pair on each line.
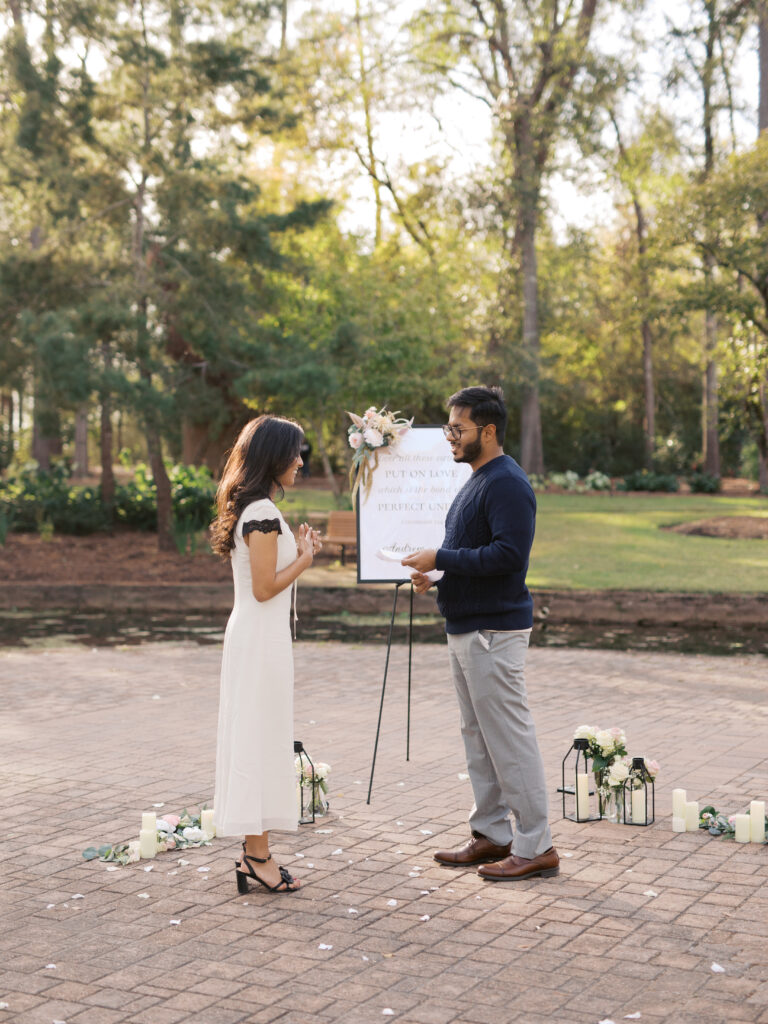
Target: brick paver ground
632,926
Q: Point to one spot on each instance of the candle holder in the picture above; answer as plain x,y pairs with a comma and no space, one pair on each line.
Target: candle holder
310,796
638,786
576,771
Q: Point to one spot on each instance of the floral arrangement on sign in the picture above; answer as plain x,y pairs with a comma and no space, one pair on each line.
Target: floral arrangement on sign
314,779
607,750
369,433
174,832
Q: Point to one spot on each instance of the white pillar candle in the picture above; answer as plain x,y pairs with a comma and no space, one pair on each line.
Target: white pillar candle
148,821
679,800
638,806
582,797
206,822
678,825
741,824
692,815
757,821
147,843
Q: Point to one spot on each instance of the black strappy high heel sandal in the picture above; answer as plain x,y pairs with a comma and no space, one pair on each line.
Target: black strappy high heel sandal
287,882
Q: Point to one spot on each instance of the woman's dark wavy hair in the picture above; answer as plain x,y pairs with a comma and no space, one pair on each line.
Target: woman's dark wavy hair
264,450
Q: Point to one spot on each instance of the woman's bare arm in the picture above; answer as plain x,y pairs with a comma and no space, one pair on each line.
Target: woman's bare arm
266,581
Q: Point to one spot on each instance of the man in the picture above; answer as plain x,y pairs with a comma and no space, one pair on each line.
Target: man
488,618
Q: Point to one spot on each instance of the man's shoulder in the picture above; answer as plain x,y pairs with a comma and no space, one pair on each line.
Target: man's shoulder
506,473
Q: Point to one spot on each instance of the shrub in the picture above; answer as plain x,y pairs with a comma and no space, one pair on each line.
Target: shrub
646,480
704,483
597,481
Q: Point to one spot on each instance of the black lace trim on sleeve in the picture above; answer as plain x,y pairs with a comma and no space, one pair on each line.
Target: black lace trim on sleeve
262,526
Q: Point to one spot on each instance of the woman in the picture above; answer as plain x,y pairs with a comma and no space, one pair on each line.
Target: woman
255,774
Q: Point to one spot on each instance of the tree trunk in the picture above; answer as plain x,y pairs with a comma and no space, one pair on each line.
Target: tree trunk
762,46
106,445
649,420
762,446
531,445
6,410
80,464
317,426
709,406
46,434
165,541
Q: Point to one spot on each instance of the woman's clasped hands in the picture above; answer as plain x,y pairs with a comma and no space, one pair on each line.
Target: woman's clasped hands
309,542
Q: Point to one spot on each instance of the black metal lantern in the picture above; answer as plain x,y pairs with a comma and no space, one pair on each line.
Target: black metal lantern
305,784
639,789
576,781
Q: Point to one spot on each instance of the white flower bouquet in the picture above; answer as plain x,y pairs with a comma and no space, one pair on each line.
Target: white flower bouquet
312,782
368,434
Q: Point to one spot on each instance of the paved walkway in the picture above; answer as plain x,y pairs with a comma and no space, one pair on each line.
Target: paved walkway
632,926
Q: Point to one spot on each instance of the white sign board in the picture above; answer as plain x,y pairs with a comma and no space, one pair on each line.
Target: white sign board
411,491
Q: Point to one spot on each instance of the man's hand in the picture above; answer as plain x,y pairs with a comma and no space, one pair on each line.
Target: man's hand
421,583
421,561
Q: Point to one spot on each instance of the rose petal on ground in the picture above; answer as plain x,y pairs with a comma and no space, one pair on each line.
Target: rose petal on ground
298,855
143,895
401,783
150,868
463,776
366,958
155,696
425,892
77,896
337,852
414,874
632,1016
203,869
174,922
4,1006
650,892
391,903
52,905
386,1012
184,862
323,831
399,823
158,805
324,945
50,967
567,855
606,1021
424,918
717,969
426,832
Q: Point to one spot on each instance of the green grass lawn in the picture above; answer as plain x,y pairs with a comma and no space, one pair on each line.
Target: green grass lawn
603,542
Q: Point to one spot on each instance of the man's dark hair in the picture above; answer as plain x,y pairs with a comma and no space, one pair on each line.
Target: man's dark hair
485,405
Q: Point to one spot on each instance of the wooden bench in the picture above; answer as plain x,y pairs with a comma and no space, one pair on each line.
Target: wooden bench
342,531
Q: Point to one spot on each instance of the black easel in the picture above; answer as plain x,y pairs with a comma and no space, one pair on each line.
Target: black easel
384,683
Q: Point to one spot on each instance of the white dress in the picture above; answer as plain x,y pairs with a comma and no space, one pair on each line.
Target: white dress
255,775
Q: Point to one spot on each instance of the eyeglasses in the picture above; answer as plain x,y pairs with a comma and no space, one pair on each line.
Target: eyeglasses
454,433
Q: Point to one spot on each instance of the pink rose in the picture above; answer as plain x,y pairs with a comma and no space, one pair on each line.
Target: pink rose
653,768
172,819
355,439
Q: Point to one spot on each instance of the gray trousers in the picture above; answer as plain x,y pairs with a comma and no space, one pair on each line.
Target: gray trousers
503,757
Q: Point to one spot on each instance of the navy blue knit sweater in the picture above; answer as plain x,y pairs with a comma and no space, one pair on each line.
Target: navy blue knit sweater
488,537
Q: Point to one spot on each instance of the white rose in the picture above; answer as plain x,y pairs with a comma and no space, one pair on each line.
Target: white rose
133,851
163,825
193,834
373,437
585,732
605,740
617,773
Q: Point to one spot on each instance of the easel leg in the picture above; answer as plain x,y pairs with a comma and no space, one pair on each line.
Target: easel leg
410,661
383,687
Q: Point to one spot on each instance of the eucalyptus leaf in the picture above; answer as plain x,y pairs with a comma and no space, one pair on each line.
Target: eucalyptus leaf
91,853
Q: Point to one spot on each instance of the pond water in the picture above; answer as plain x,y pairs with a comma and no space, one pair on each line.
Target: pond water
28,629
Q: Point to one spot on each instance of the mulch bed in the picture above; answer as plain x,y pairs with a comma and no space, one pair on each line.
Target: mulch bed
733,527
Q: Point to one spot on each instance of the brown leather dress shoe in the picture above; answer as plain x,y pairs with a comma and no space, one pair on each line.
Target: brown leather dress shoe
478,850
513,868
